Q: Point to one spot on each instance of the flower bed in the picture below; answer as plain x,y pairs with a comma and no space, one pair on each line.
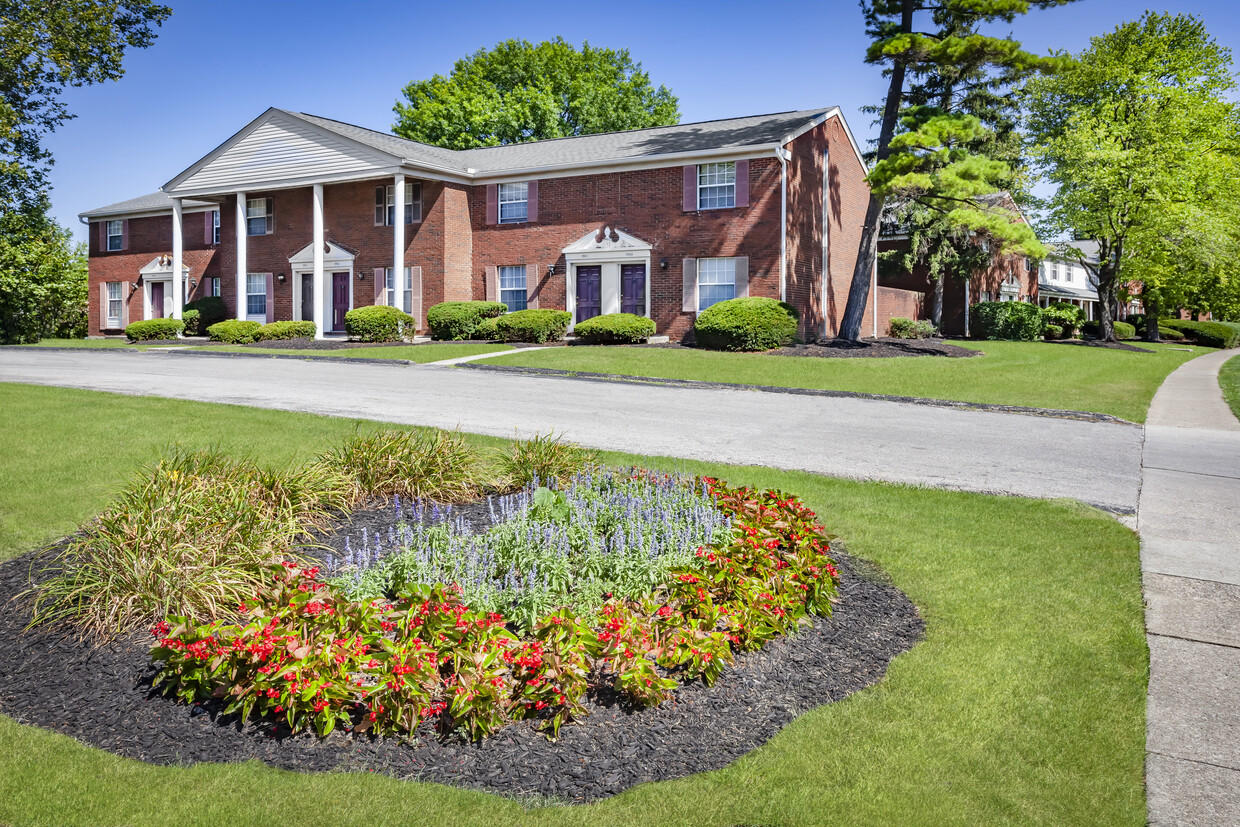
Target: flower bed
309,656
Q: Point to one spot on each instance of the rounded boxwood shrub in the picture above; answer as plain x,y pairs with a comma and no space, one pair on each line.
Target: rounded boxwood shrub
1170,334
378,324
751,323
1067,317
533,325
154,329
1123,330
1013,321
459,320
285,330
1206,334
487,328
901,328
233,331
190,318
615,329
209,309
1053,331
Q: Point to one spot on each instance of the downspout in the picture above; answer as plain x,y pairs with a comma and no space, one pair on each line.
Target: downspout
783,156
966,308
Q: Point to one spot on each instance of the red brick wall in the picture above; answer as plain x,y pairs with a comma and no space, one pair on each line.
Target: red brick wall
895,303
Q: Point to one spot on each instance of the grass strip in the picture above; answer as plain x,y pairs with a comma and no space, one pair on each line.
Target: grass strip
430,352
1229,382
1025,703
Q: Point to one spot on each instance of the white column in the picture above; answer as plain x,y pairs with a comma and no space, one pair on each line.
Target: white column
178,286
321,295
398,238
241,263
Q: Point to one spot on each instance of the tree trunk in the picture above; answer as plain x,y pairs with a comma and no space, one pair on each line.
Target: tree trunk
936,302
867,250
1149,300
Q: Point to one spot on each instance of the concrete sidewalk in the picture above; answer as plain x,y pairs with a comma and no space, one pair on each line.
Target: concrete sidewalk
1189,520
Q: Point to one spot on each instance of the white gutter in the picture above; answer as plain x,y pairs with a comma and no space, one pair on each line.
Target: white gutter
783,156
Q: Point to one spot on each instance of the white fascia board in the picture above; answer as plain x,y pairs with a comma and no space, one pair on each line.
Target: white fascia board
735,153
300,183
99,216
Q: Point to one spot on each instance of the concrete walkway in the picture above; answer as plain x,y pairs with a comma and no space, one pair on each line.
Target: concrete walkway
1189,520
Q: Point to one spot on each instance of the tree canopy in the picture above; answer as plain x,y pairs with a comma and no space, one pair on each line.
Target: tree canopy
43,279
1141,142
521,91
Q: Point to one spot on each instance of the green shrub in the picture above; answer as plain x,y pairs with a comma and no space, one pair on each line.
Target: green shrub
1170,334
1123,330
1012,321
533,325
902,328
615,329
191,319
210,310
1053,331
1137,320
746,324
379,324
544,458
459,320
431,464
285,330
233,331
189,536
154,329
1206,334
487,329
1067,317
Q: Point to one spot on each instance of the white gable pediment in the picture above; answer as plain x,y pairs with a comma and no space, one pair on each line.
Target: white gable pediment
278,149
162,265
606,239
333,255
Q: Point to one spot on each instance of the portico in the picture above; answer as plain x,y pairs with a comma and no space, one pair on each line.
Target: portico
607,271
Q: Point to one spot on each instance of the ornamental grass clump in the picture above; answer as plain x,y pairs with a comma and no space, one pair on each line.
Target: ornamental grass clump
431,464
190,536
544,458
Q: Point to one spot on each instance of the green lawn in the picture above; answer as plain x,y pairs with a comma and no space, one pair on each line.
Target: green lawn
1229,381
429,352
1025,704
1036,374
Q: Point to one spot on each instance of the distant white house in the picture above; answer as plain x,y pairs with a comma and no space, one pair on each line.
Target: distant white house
1062,277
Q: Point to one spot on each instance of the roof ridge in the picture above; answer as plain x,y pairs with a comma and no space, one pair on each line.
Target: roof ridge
368,129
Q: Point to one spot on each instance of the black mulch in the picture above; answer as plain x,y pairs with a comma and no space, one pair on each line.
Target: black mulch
102,697
883,348
1098,343
336,344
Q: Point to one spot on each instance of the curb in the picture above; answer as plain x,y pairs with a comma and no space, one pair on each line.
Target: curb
1052,413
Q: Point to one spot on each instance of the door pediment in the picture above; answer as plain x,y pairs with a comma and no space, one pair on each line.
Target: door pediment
333,256
607,240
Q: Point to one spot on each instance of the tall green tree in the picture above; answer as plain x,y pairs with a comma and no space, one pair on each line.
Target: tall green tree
43,279
935,156
521,91
1138,136
46,46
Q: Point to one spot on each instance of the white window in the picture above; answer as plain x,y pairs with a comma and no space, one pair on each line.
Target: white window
385,203
512,287
716,185
398,295
215,231
1054,272
211,284
114,304
116,235
514,203
257,217
716,281
256,295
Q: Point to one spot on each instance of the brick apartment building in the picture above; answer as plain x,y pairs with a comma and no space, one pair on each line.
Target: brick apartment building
661,222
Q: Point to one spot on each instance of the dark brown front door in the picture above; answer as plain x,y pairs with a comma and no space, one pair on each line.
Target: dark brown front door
157,300
340,300
633,289
589,292
307,297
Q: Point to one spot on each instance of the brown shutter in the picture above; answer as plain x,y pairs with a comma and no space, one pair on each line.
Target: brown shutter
271,293
492,288
103,305
380,285
690,202
103,236
380,205
415,296
125,234
742,183
125,297
492,204
532,204
531,287
689,298
742,276
208,227
271,216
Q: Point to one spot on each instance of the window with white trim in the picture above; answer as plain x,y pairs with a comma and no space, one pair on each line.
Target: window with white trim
256,294
716,281
716,185
512,287
401,295
215,229
116,235
256,216
114,304
385,203
514,203
211,285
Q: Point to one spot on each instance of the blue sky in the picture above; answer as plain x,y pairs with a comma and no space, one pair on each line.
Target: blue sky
217,64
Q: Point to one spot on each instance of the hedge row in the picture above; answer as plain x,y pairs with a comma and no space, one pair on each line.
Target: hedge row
615,329
1206,334
460,320
379,324
533,325
152,329
233,331
1016,321
285,330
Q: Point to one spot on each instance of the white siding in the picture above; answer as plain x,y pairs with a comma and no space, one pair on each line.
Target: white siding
279,150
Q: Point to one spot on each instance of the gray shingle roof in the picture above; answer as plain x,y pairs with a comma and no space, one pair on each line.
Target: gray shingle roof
151,202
